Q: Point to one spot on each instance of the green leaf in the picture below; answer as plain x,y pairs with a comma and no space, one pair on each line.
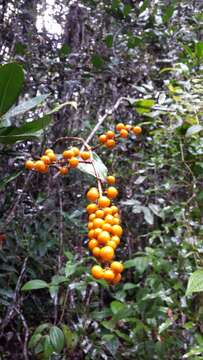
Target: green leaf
112,343
71,337
144,105
99,165
192,130
199,49
195,283
34,285
60,106
127,9
9,178
109,41
25,106
11,83
97,61
57,338
168,13
70,268
35,338
48,348
140,263
64,51
116,306
164,326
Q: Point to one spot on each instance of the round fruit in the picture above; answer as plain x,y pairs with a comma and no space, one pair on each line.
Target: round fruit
107,253
116,239
92,194
112,244
103,139
116,221
63,170
46,159
110,134
90,225
97,232
111,179
40,166
110,143
76,151
48,151
104,237
92,217
73,162
92,244
120,126
52,156
103,202
91,234
97,223
97,272
107,210
109,274
128,127
124,133
85,155
96,251
109,219
112,192
137,130
99,213
91,208
114,209
68,154
106,227
117,267
117,230
117,279
29,164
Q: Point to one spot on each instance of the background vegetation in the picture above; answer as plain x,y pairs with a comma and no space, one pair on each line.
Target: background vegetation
91,54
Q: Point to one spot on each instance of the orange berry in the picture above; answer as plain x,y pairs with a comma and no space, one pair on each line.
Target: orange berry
91,208
90,225
114,209
97,231
103,201
137,130
73,162
117,230
97,272
68,154
110,143
108,275
116,239
112,244
109,219
107,253
63,170
104,237
76,151
111,179
48,151
116,215
120,126
29,164
106,227
92,217
99,213
97,223
52,156
110,134
40,166
46,159
103,139
91,234
92,244
128,127
117,278
124,133
96,251
85,155
112,192
107,210
117,267
116,221
92,194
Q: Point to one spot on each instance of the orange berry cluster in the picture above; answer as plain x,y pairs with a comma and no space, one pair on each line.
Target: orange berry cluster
105,232
109,138
70,159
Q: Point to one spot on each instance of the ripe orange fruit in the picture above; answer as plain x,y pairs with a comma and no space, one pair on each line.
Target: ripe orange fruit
111,179
112,192
137,130
117,230
108,275
97,223
40,166
107,210
97,272
116,239
103,237
91,234
117,267
110,143
63,170
46,159
109,219
92,194
110,134
48,151
116,221
103,201
120,126
68,154
97,232
52,156
128,127
107,253
90,225
92,217
73,162
117,278
29,164
106,227
99,213
114,209
92,244
103,139
96,251
112,244
85,155
91,208
76,151
124,133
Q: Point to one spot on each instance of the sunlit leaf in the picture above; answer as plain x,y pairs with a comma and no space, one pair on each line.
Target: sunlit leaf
195,283
99,165
34,285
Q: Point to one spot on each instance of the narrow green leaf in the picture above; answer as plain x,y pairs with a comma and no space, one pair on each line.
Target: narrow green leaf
199,49
192,130
195,283
9,178
57,338
48,348
34,285
71,338
144,105
109,40
164,326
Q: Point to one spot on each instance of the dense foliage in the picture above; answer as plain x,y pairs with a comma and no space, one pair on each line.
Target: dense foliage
137,62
